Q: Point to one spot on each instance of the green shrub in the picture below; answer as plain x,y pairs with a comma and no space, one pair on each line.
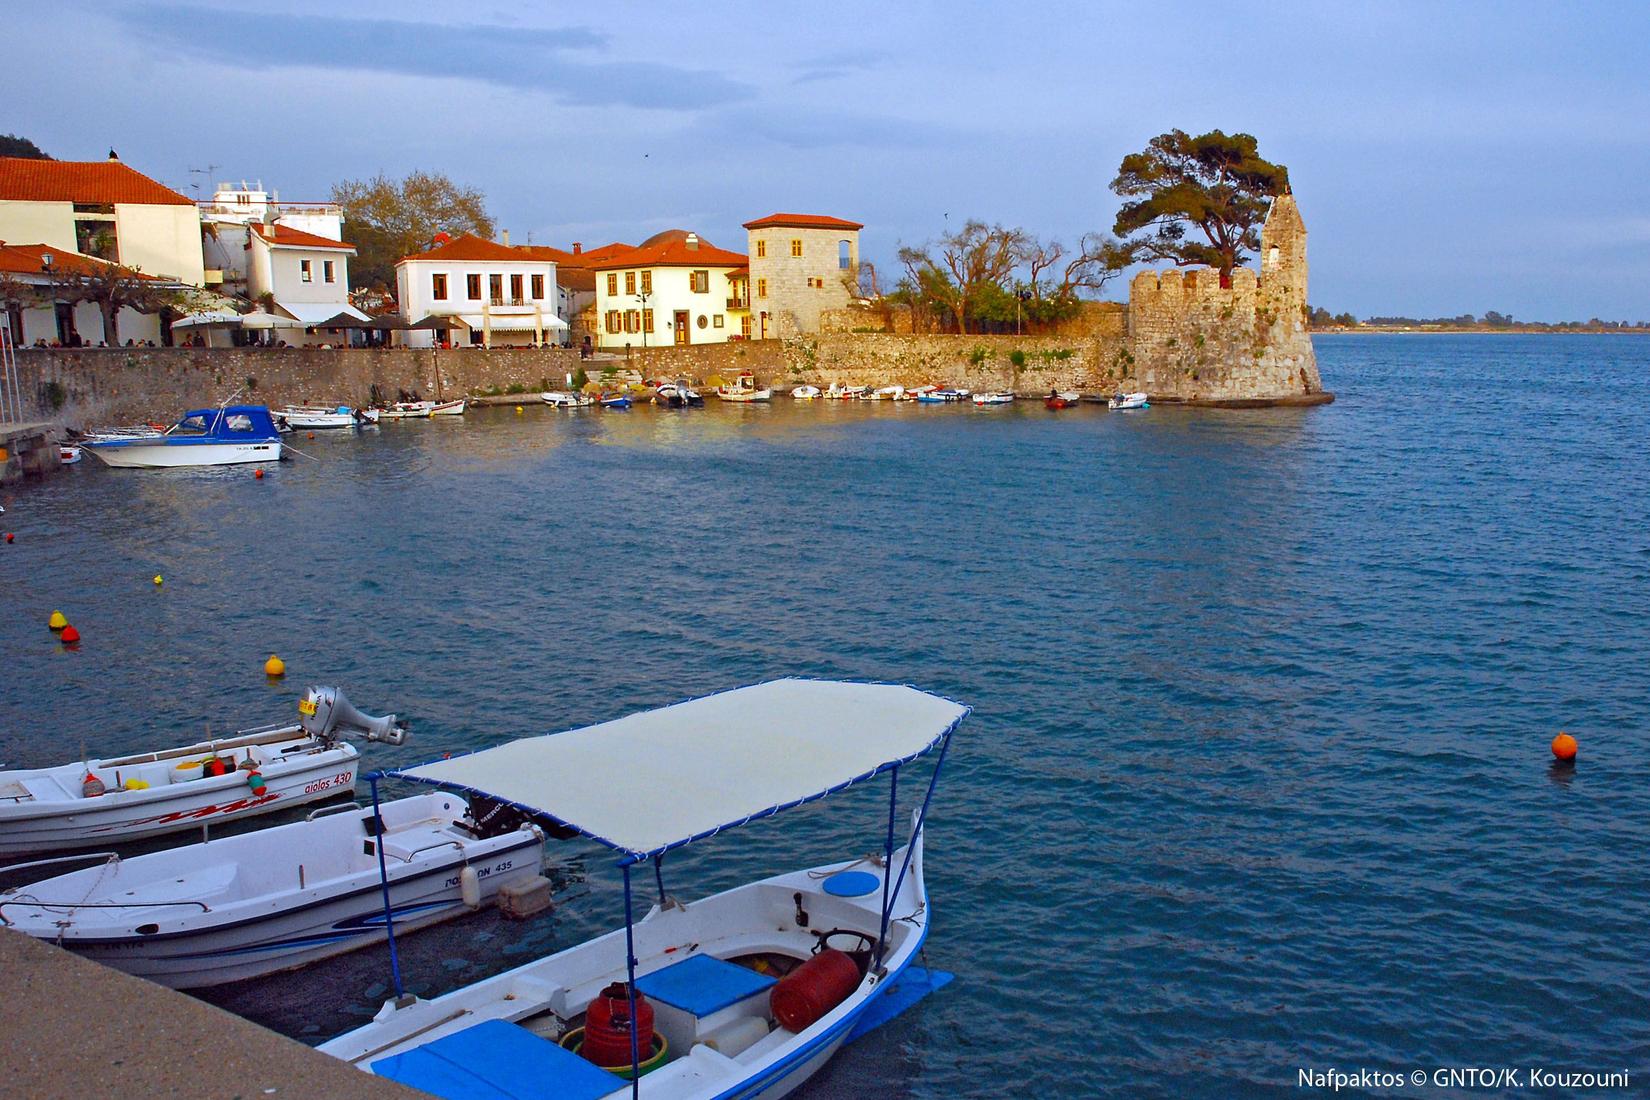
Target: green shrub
1017,357
55,394
516,387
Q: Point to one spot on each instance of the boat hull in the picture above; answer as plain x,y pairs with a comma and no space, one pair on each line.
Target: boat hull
252,936
32,827
153,454
756,918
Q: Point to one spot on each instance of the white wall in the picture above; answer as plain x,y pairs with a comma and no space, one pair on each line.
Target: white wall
414,290
672,291
41,324
38,223
161,240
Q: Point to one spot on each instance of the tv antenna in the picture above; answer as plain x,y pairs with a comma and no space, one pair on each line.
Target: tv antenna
210,172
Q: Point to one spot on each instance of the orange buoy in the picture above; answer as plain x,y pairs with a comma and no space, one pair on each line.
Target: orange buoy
1564,747
258,473
312,435
69,635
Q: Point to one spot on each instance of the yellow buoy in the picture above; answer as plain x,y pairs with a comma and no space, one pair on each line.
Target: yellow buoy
58,620
518,408
274,666
158,578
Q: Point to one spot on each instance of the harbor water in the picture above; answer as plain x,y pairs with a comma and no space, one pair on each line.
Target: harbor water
1257,779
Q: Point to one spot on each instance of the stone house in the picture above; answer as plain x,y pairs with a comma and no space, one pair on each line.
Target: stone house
800,266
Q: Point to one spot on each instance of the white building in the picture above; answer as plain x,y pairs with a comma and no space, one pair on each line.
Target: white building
227,221
31,267
673,288
102,209
498,295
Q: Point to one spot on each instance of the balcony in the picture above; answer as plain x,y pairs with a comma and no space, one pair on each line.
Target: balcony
739,303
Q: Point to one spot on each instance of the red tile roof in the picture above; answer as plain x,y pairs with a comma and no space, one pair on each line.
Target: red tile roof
675,252
802,221
590,257
23,179
575,278
24,259
467,246
297,238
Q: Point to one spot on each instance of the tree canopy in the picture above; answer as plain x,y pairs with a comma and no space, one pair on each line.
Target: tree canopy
985,278
387,219
1214,182
11,145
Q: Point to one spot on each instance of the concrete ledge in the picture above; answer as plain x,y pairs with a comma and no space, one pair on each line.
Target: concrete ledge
73,1028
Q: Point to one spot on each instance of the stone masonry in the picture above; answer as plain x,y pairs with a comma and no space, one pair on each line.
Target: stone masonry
797,272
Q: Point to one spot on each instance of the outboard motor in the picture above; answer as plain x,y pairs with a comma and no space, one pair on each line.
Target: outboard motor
326,714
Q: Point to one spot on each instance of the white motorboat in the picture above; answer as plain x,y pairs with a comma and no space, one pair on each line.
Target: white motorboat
839,392
805,393
889,393
244,906
68,454
313,417
745,993
677,395
1003,398
1127,401
744,389
223,436
561,399
112,800
419,410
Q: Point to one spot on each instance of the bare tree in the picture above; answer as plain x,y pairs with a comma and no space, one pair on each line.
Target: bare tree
112,287
1041,256
1100,258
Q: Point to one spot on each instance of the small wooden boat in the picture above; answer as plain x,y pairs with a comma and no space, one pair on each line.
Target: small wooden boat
223,436
1002,398
68,454
1059,400
746,993
104,801
889,393
419,410
744,389
1128,401
312,417
805,393
244,906
615,401
562,400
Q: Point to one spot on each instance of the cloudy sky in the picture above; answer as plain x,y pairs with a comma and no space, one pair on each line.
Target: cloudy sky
1448,157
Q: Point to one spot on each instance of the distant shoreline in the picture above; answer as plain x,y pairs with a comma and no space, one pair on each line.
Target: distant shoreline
1457,330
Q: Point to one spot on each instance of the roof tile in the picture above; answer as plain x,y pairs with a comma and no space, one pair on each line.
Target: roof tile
23,179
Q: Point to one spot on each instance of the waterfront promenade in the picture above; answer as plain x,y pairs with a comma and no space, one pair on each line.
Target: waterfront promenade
76,1029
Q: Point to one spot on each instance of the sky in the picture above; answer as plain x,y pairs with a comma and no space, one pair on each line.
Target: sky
1448,157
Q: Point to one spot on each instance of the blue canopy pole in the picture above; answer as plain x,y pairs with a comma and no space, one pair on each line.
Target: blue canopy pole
630,987
922,816
888,863
384,882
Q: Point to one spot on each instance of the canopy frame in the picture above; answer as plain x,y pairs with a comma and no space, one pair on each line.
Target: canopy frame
630,858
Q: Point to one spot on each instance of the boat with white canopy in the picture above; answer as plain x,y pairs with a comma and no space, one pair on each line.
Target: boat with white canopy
745,993
243,906
111,800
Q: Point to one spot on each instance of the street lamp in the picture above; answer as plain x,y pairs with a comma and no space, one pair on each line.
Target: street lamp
642,299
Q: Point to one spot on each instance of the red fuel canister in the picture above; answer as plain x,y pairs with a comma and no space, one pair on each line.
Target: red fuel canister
607,1027
807,993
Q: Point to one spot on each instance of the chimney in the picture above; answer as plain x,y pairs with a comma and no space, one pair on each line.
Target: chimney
692,241
506,238
577,248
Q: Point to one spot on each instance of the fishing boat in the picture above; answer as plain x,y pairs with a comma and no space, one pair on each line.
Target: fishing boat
615,401
1127,401
418,410
1003,398
744,389
68,454
223,436
1062,400
312,417
244,906
112,800
563,400
746,993
805,393
678,395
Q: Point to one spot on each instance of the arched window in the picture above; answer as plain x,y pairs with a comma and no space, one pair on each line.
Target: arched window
845,255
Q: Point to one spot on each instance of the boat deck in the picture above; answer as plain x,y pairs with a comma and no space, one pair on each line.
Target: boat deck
74,1028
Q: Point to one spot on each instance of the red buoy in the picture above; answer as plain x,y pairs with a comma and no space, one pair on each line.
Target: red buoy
69,635
607,1027
807,993
258,473
10,536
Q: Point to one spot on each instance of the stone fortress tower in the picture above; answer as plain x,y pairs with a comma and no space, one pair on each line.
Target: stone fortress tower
1189,338
800,265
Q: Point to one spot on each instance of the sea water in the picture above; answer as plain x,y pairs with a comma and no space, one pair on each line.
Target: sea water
1257,780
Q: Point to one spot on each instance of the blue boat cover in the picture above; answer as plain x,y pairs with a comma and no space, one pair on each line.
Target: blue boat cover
852,884
703,984
913,984
233,422
497,1061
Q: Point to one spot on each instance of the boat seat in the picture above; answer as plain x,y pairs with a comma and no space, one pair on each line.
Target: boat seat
702,985
497,1061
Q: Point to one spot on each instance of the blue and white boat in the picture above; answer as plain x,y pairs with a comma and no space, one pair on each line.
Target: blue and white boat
205,437
745,993
616,401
